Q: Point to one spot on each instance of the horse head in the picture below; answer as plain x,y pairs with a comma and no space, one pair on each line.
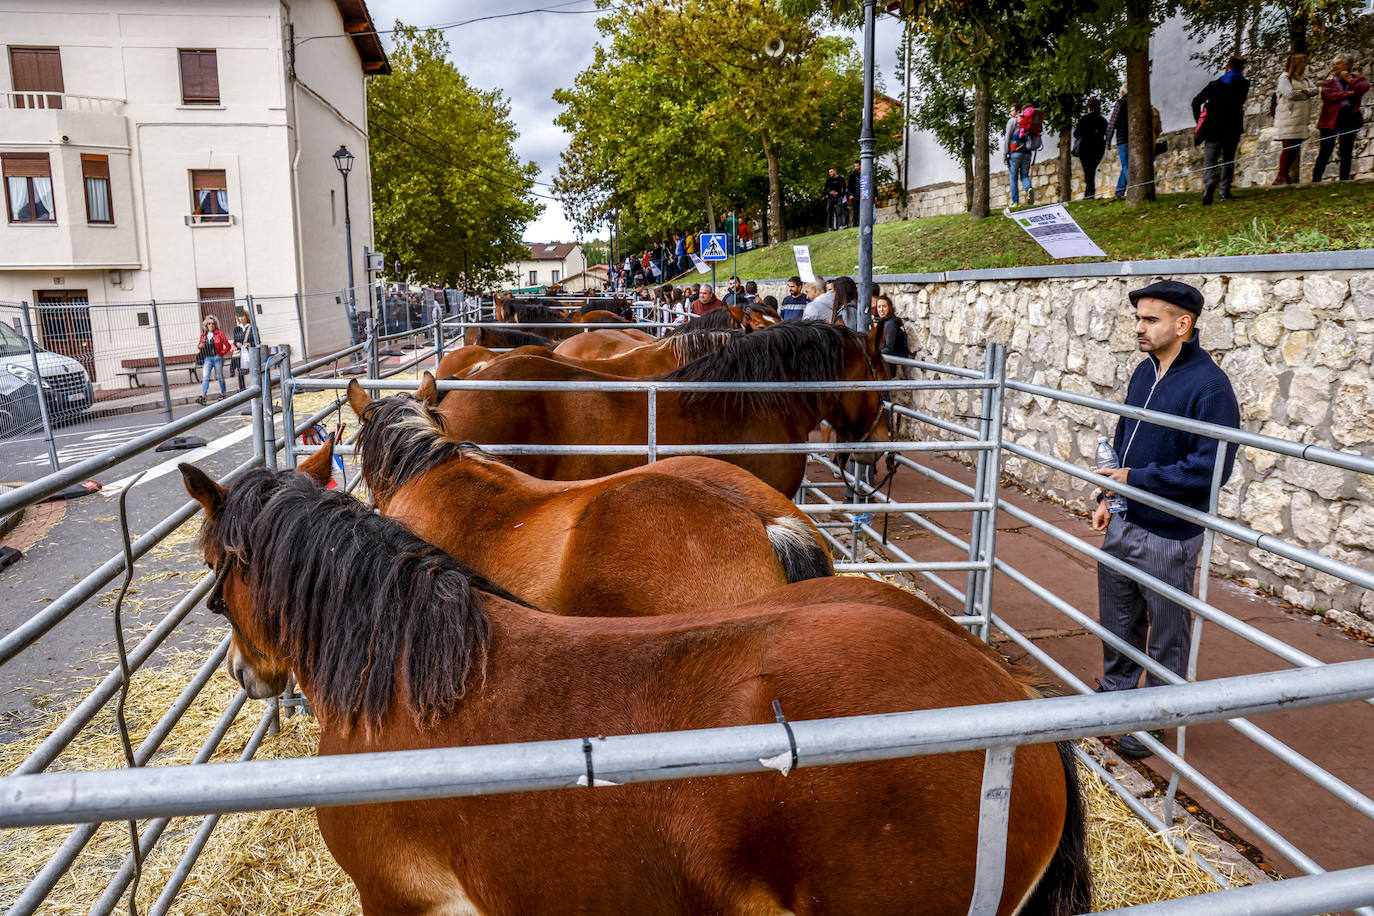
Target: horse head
252,659
859,416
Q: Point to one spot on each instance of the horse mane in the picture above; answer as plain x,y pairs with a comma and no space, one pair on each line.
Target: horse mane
797,351
696,344
357,601
510,337
714,320
536,313
402,438
619,305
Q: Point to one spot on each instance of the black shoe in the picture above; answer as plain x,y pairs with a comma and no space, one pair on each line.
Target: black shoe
201,400
1133,747
1207,196
1030,198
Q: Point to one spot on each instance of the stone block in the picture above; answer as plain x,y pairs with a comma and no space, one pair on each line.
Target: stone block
1312,519
1289,289
1357,528
1214,293
1102,366
1334,346
1324,292
1266,329
1281,566
1362,295
1077,359
1217,334
1309,396
1299,597
1256,385
1299,318
1352,413
1322,479
1296,346
1263,507
1245,296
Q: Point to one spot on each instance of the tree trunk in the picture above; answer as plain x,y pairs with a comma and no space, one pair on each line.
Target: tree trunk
710,213
968,183
1297,32
1140,174
979,200
1065,165
770,151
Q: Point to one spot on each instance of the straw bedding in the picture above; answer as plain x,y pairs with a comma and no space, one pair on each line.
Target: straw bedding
275,861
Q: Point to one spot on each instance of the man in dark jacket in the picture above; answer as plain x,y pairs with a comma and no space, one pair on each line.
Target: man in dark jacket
834,201
853,189
1224,99
1178,378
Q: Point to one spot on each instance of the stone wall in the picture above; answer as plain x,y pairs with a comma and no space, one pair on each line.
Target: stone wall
1297,348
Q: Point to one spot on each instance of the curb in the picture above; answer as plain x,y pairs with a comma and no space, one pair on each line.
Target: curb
11,521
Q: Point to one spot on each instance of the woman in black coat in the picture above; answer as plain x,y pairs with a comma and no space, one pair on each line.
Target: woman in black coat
1090,142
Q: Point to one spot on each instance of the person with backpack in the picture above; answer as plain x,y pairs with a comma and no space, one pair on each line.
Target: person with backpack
1219,110
1022,141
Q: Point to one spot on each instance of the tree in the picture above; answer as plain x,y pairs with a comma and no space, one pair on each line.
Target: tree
1239,27
943,106
450,197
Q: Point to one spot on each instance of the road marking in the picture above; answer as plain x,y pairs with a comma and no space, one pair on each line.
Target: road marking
170,465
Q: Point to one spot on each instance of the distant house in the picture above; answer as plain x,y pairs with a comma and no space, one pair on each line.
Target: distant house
548,262
591,279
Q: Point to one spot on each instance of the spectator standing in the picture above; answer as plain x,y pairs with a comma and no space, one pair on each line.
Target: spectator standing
245,335
1119,127
1292,115
691,243
852,189
834,200
680,252
1017,157
211,349
794,303
706,301
731,228
1177,377
751,293
1221,127
1341,116
844,302
819,301
746,236
1090,144
736,294
891,331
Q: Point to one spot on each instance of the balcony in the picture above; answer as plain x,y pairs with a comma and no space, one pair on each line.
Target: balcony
57,117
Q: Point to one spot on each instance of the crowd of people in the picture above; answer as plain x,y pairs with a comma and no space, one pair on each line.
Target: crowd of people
672,257
841,199
1219,117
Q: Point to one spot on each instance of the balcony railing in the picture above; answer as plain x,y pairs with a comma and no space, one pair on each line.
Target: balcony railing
210,219
60,100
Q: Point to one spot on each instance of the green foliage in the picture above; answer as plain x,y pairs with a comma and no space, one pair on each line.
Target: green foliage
450,198
1263,28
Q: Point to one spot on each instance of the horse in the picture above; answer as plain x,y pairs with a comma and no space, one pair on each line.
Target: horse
712,533
609,342
504,337
397,646
513,312
750,316
603,342
600,316
642,361
796,351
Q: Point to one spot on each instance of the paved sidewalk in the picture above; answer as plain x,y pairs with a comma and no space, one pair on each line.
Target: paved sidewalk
1339,738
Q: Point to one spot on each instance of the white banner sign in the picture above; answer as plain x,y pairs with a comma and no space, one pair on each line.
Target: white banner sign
803,255
1056,232
701,266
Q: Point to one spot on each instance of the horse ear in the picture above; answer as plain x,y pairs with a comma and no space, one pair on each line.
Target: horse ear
358,399
427,392
202,488
738,316
320,466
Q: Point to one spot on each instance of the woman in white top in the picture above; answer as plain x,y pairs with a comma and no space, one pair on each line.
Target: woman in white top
1293,115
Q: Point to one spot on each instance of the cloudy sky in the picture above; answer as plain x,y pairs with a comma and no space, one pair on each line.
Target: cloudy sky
529,55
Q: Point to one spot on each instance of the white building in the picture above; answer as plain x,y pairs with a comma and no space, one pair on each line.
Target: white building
181,152
548,263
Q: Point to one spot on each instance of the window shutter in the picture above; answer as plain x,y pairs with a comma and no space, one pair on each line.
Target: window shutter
95,166
36,69
199,76
208,180
26,165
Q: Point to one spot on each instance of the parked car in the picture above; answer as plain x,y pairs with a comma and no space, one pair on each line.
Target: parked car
65,385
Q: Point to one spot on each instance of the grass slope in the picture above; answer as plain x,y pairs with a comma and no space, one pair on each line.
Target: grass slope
1322,217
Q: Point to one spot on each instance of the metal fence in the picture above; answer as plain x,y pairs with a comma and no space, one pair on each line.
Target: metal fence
33,793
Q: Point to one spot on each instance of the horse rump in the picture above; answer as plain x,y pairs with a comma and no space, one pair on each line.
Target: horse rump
494,338
1066,887
801,555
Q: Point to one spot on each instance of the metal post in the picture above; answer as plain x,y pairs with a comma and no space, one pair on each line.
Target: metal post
865,306
300,323
254,356
438,314
372,365
288,412
161,363
973,586
253,318
348,244
993,815
269,424
653,425
997,358
38,389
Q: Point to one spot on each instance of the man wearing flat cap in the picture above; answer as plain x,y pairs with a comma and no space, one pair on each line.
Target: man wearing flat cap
1177,377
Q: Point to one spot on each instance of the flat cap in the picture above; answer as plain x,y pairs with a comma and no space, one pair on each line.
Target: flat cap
1186,297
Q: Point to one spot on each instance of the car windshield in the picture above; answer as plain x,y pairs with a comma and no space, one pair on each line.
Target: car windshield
12,343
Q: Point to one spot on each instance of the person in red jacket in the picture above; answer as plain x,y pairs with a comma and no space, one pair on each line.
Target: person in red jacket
1340,118
210,352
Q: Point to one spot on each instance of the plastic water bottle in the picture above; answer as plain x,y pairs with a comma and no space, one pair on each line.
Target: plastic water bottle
1106,458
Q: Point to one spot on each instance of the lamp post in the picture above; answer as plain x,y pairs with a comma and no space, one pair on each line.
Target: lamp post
343,161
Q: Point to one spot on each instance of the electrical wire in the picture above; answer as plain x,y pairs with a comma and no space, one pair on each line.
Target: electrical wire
554,9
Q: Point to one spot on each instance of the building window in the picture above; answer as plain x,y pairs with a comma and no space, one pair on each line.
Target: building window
28,187
209,196
534,278
556,275
95,174
199,78
36,71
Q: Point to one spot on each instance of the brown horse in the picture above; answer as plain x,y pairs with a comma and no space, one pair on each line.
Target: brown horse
642,361
397,646
516,312
600,316
603,342
504,337
795,351
712,533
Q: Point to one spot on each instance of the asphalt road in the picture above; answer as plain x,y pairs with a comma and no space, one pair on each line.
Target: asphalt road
67,661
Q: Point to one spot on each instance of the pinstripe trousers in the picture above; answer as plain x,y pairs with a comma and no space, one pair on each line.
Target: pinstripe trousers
1141,617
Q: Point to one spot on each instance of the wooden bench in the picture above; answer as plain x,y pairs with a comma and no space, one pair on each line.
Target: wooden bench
134,365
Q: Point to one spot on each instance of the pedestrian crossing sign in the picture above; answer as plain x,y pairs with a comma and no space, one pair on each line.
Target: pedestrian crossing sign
713,246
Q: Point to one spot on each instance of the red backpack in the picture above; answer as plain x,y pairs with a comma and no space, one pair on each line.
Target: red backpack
1026,137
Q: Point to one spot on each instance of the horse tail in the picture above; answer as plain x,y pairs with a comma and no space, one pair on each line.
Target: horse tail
1066,886
799,550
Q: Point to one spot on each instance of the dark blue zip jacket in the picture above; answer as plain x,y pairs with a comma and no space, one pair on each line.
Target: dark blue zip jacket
1169,462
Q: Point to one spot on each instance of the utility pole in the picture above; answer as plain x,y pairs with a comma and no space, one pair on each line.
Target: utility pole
864,305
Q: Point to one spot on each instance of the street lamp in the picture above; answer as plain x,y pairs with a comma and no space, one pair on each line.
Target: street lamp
343,161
